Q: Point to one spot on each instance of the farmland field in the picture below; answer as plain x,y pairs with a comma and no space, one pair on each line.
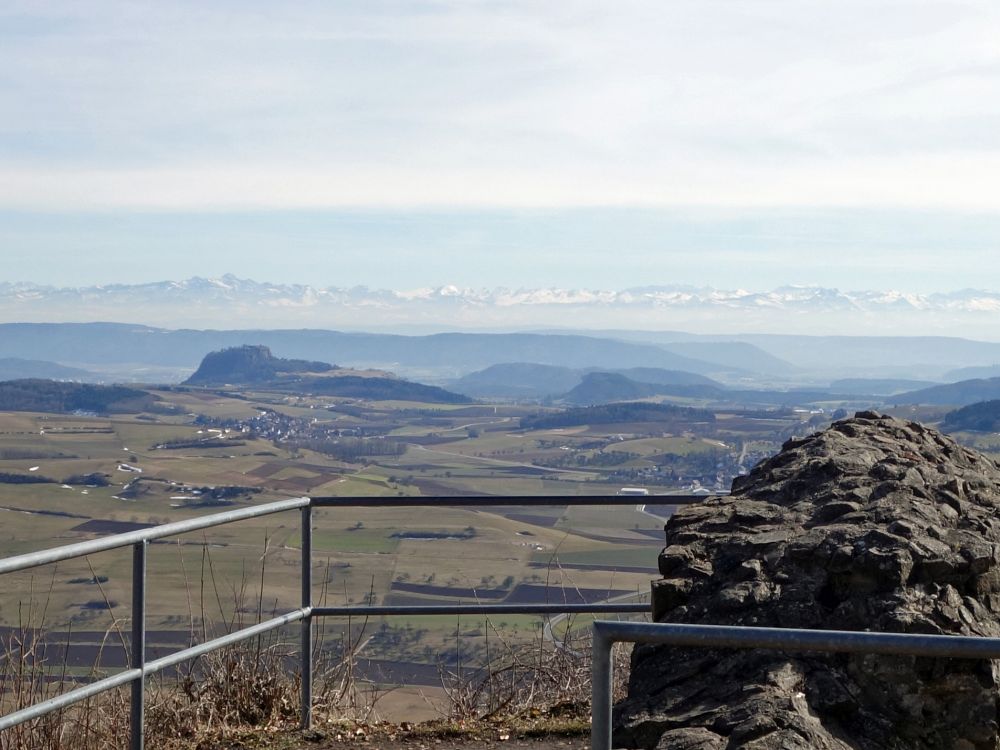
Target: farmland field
74,477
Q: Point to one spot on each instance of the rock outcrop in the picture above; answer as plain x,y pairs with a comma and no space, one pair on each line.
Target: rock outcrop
249,365
257,366
873,524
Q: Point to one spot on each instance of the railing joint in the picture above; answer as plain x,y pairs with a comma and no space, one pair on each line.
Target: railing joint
139,540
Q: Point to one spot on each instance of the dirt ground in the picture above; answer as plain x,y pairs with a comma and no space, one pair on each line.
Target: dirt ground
533,743
562,735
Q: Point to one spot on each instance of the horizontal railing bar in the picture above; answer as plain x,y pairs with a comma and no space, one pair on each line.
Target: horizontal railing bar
103,544
842,641
151,667
115,541
491,500
607,633
68,698
480,609
157,665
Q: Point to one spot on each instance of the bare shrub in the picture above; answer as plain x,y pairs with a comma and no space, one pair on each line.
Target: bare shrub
518,678
253,684
28,676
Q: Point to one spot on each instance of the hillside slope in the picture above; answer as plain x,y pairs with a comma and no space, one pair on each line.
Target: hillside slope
529,380
257,366
59,397
15,368
457,352
983,416
961,393
248,365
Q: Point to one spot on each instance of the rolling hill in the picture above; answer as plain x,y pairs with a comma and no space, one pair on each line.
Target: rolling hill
620,413
879,386
961,393
606,387
455,353
59,397
249,364
518,380
532,381
972,373
257,366
14,368
983,416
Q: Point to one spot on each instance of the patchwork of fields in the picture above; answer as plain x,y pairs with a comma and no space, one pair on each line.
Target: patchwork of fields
207,451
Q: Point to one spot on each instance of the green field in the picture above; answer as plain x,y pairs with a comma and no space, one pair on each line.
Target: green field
208,579
680,446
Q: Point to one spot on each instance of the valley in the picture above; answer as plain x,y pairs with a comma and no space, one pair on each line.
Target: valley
79,461
205,450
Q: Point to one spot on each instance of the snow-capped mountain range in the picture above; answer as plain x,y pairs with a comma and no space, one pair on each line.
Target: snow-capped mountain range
236,302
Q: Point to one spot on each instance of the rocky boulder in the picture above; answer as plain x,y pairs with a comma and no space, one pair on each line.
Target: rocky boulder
873,524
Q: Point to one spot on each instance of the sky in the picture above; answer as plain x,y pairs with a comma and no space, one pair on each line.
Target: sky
737,143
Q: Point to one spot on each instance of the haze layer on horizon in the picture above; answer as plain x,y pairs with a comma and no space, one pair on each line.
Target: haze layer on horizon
397,144
231,302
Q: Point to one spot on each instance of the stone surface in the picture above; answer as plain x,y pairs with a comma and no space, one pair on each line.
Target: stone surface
873,524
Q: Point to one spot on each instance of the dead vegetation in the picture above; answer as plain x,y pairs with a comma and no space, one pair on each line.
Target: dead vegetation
247,695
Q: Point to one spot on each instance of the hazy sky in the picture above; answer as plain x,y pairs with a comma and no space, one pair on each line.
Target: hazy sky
742,143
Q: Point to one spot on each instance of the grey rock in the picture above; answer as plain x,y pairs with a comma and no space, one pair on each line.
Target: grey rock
873,524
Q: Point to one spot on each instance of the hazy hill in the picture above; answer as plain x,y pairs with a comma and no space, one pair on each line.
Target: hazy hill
534,381
659,376
960,394
979,417
784,355
451,355
523,380
605,387
257,366
470,351
879,386
972,373
13,368
518,380
249,364
372,388
736,355
454,352
727,353
621,413
60,397
912,357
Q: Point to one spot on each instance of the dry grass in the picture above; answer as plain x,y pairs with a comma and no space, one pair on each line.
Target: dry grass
27,678
251,689
518,679
247,690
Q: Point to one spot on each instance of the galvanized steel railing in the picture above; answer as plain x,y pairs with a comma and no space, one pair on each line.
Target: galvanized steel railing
606,634
140,668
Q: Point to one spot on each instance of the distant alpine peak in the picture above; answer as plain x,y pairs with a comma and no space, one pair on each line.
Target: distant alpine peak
667,295
233,300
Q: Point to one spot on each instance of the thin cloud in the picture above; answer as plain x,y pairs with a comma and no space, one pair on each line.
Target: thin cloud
183,106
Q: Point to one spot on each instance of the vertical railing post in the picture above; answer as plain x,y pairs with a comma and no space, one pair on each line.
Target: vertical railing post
600,691
307,640
137,703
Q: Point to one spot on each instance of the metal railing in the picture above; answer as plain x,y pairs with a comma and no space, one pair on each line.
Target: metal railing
139,668
606,634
